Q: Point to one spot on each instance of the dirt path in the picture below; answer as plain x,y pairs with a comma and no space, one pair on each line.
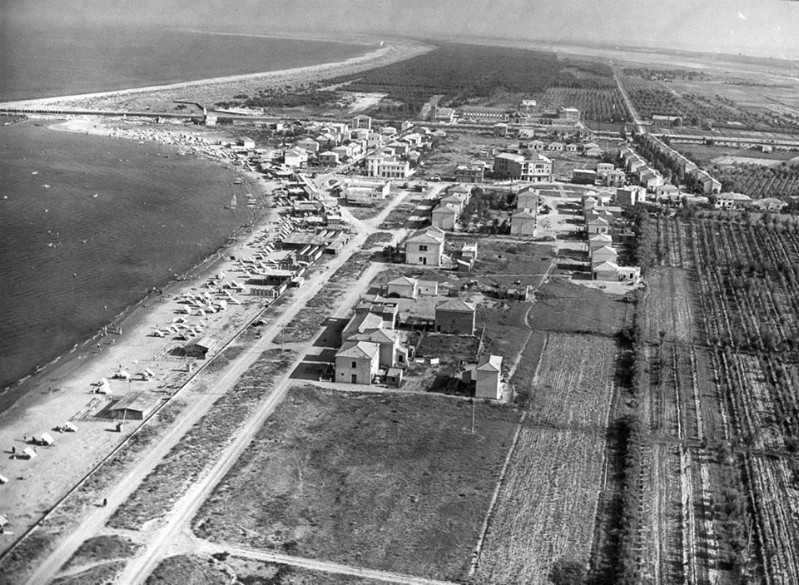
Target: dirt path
148,558
314,565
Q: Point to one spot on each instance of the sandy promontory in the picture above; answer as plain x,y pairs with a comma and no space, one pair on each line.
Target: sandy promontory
210,91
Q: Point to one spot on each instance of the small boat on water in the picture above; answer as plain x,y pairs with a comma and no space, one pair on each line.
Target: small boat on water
232,203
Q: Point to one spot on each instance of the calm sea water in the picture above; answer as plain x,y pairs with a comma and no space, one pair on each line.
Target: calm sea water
70,261
45,62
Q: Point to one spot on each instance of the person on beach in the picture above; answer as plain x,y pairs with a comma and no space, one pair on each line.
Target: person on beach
105,502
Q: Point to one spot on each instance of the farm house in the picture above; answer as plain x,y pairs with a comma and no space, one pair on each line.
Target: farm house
455,317
489,372
357,362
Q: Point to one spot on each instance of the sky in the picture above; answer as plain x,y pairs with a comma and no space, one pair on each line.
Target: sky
755,27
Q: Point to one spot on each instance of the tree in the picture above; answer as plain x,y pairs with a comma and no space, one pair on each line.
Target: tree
567,572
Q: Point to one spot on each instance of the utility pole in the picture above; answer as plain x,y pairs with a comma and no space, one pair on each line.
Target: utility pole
473,409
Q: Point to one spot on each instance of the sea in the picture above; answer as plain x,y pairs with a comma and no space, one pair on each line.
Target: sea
88,224
48,61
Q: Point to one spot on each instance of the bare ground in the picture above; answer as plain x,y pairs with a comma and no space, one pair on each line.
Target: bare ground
388,482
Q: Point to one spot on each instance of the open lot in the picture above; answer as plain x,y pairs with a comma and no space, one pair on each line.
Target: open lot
184,463
565,307
390,482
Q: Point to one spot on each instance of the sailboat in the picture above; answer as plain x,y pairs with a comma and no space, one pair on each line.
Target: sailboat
232,203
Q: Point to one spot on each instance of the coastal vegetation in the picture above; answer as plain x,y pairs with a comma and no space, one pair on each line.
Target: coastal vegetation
463,74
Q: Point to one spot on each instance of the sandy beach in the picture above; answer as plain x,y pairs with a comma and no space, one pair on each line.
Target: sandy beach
209,91
64,391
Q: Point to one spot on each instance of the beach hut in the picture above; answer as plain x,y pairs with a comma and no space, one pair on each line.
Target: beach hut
28,453
44,439
136,405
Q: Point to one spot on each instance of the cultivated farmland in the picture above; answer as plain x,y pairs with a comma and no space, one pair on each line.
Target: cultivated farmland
719,474
548,500
601,105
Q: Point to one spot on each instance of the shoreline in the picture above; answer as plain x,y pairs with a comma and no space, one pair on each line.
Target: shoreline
64,364
390,53
62,390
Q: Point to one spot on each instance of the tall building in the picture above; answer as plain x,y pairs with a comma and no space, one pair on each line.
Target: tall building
535,169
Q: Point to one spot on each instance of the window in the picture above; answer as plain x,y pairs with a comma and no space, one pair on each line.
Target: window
354,364
423,247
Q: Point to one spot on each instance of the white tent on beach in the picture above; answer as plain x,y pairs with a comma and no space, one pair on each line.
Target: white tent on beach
28,453
68,427
123,375
44,439
3,479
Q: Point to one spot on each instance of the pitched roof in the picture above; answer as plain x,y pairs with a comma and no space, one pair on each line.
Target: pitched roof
376,336
600,238
492,363
428,235
455,305
363,322
598,220
607,266
447,208
424,239
523,214
403,280
358,349
606,250
137,400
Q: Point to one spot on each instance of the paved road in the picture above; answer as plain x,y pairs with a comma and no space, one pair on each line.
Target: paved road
138,570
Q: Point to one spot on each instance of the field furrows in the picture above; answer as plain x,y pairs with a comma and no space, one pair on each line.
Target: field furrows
668,309
660,409
749,300
546,505
762,407
661,537
774,498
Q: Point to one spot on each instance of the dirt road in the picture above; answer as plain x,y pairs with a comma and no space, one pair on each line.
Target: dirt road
323,566
158,542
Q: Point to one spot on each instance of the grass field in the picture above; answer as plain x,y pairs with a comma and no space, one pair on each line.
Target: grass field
390,482
547,504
